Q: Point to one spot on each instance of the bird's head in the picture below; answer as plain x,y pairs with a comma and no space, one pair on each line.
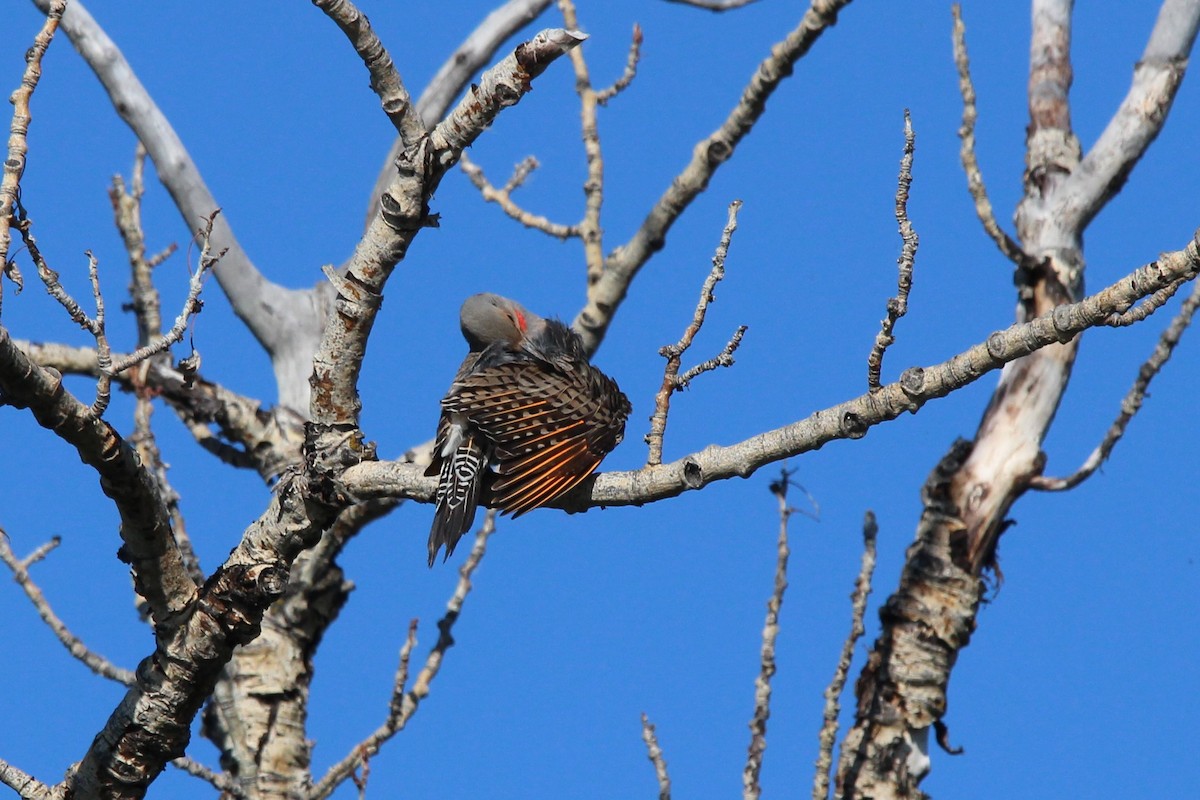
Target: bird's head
486,318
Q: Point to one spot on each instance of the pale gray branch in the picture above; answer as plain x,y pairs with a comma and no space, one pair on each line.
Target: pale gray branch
405,703
463,64
975,185
751,789
404,212
655,754
858,602
1138,120
622,264
75,646
848,420
25,785
1131,404
286,322
897,306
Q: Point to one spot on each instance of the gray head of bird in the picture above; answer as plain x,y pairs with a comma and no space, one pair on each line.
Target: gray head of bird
486,318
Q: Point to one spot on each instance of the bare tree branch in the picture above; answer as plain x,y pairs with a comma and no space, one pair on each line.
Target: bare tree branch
858,602
385,79
672,380
159,573
1132,402
590,231
848,420
751,790
503,197
18,146
25,785
218,781
405,703
403,212
930,617
655,754
631,65
1136,123
468,58
286,322
622,264
897,306
975,185
75,646
265,440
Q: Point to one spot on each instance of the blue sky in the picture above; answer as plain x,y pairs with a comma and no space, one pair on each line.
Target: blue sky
1078,680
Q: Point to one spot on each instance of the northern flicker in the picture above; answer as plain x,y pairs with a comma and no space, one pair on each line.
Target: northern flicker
526,418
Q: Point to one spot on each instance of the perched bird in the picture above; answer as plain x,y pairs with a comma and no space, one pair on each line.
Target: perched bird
526,419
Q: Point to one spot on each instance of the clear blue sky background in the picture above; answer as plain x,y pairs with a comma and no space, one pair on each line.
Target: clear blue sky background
1080,680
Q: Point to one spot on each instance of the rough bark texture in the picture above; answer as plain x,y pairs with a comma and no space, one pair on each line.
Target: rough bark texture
902,690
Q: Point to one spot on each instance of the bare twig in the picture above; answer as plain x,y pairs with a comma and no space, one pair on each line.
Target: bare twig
751,789
897,306
1144,308
456,72
103,351
858,602
655,754
405,703
1157,75
18,145
631,65
672,380
1132,402
590,231
25,785
503,197
78,650
147,309
621,266
286,322
191,304
385,79
975,185
50,277
849,419
219,781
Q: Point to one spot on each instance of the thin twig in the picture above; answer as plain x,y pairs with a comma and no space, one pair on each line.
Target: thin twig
858,602
405,703
975,185
655,754
751,789
191,304
220,781
672,380
385,78
20,570
897,306
103,351
147,309
18,144
1131,404
590,231
1145,307
621,266
503,197
49,276
631,65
